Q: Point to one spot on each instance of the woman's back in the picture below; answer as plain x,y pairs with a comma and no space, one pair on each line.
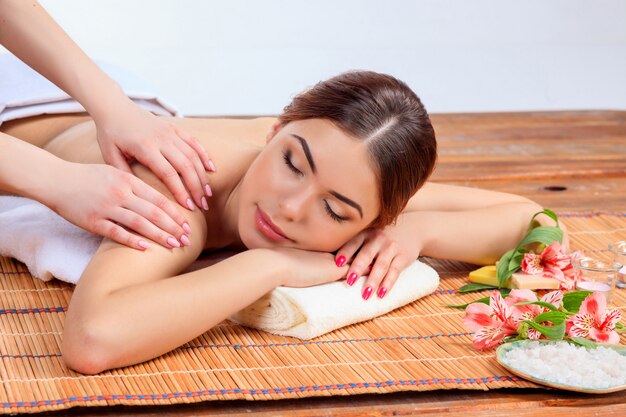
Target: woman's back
232,144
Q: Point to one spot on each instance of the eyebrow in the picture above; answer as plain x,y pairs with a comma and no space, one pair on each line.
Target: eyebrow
309,158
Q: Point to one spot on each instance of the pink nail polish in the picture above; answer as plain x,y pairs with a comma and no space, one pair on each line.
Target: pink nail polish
185,240
381,292
211,165
367,293
351,278
143,244
341,260
190,204
186,228
173,242
207,190
205,205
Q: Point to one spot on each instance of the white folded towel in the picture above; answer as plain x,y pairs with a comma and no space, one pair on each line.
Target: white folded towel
50,247
24,92
306,313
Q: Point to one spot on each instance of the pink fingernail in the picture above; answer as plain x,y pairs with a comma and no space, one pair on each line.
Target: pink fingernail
186,228
190,204
211,165
143,244
173,242
207,190
351,278
341,260
381,292
367,293
205,205
185,240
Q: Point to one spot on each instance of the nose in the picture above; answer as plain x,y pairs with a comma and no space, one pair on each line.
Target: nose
293,207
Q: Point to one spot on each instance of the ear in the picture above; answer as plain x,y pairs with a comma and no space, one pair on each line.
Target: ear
273,131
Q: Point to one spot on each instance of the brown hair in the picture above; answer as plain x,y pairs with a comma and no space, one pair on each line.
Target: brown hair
385,113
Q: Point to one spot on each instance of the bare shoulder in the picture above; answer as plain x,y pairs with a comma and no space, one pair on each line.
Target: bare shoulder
116,266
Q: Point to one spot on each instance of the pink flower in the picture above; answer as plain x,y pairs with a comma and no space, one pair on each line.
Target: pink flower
490,323
594,320
553,262
531,263
530,311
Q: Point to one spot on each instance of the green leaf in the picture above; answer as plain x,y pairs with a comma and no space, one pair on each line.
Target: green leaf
549,213
593,345
539,303
555,332
484,300
511,339
573,299
503,271
556,317
584,342
542,234
516,260
475,287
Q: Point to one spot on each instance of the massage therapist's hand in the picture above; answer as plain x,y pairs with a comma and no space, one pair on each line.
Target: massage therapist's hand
101,199
130,132
304,268
382,254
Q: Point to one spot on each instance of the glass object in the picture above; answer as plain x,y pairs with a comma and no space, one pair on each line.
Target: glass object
619,255
596,275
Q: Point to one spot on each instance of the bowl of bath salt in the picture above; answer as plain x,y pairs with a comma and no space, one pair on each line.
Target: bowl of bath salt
564,365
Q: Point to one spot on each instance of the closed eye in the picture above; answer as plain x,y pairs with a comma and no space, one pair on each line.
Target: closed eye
292,167
332,214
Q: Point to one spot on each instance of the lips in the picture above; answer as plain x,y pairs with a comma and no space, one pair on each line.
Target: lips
267,228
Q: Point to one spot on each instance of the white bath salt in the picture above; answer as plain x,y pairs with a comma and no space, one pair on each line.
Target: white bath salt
569,364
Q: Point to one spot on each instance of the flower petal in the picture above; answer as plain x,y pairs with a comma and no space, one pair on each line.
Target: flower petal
604,336
531,263
582,321
575,331
554,256
488,337
533,334
477,316
594,304
610,319
500,309
554,297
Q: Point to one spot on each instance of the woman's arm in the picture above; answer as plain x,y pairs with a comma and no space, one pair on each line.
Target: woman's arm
112,325
132,306
443,221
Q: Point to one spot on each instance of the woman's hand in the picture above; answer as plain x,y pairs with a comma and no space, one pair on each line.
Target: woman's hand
304,268
382,254
101,199
169,152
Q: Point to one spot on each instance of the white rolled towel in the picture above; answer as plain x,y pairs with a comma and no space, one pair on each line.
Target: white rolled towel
309,312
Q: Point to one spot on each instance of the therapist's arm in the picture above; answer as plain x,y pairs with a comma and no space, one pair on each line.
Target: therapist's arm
124,129
91,196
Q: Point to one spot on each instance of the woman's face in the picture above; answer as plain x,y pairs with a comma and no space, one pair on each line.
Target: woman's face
312,187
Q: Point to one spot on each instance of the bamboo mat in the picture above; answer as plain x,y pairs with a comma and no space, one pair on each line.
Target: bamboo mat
422,346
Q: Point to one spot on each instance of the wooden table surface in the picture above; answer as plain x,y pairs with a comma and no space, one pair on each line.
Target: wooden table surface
567,161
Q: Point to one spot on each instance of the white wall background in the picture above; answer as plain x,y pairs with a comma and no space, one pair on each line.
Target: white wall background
237,57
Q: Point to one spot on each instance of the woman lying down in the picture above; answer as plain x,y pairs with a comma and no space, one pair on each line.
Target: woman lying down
339,170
